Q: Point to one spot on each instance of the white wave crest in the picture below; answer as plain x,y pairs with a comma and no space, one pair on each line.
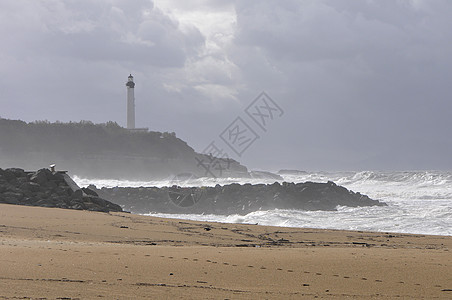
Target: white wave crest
418,202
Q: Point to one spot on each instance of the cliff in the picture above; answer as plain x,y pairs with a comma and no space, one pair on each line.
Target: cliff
102,151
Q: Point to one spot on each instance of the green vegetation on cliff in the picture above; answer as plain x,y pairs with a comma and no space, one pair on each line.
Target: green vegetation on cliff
98,150
85,138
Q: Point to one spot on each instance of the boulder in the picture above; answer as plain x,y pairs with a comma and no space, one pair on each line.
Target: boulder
235,198
41,176
30,186
78,194
14,173
89,192
12,198
47,189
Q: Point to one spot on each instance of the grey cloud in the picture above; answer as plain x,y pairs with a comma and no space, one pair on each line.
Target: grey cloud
364,79
364,84
103,31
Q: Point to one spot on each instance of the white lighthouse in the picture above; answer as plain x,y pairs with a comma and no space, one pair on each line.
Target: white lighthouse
130,103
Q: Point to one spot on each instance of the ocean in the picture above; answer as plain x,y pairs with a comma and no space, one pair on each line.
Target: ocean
418,202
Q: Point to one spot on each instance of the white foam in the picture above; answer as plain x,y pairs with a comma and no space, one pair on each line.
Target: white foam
418,202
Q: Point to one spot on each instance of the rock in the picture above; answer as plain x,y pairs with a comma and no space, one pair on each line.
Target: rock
41,176
63,191
30,186
47,189
235,198
21,180
78,194
12,198
14,173
51,185
89,191
8,200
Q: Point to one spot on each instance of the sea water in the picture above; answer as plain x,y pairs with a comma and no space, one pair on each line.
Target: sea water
418,202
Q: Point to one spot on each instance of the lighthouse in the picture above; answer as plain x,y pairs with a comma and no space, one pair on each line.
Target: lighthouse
130,103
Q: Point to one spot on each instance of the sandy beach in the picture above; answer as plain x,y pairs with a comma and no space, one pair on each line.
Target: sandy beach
48,253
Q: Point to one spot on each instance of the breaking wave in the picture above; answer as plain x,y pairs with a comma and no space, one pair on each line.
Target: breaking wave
418,202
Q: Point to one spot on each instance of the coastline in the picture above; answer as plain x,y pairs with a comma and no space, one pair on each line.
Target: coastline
51,253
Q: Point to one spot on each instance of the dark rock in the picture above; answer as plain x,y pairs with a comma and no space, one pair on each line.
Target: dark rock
13,173
18,196
12,198
8,200
47,189
89,191
57,177
78,194
21,180
51,185
30,186
235,198
41,176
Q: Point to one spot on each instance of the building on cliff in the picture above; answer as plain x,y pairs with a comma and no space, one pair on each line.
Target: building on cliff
130,84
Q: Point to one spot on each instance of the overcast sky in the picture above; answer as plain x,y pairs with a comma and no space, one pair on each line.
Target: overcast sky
363,84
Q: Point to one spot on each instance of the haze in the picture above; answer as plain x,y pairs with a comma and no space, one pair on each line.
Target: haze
363,84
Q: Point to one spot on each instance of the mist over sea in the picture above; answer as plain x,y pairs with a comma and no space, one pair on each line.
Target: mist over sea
418,202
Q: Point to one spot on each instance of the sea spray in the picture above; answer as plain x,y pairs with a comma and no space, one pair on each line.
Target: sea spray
418,202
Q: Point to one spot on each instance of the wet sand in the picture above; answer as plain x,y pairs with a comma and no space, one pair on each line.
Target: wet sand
48,253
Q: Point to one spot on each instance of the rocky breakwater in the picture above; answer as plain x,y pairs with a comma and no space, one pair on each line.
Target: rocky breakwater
48,189
236,198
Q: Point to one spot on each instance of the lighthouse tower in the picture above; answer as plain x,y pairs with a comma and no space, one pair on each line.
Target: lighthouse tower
130,103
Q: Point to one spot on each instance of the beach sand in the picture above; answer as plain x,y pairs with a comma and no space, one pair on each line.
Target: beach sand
48,253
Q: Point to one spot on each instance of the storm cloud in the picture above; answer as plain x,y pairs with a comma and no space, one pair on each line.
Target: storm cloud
363,84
